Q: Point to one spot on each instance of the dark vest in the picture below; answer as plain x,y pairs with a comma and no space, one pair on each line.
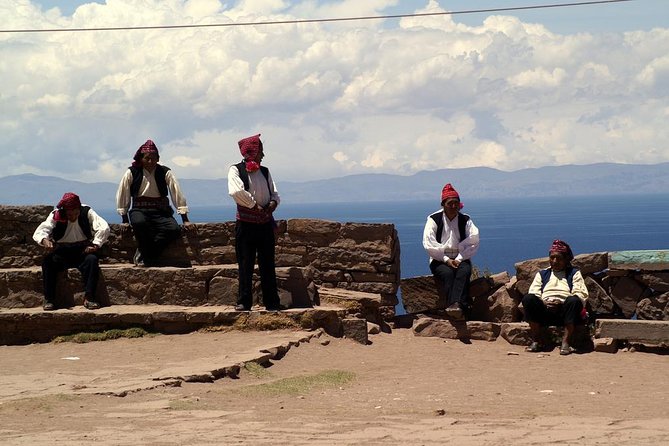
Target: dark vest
244,175
59,230
137,176
462,224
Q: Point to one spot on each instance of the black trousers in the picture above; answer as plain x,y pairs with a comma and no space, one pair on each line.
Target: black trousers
455,281
154,229
64,257
567,313
253,239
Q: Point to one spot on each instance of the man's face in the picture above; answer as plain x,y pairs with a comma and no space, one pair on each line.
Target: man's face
72,214
452,208
149,161
558,261
259,156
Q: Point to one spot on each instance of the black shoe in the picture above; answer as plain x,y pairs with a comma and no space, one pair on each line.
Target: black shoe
455,311
91,305
277,308
241,307
49,306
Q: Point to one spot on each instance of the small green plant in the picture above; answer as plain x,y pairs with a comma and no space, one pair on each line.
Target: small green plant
84,337
257,370
299,385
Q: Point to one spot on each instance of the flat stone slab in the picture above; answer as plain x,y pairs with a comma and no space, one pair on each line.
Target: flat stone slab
28,325
136,365
653,332
452,329
646,260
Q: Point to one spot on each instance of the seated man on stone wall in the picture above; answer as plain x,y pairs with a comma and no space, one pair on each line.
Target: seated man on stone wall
557,296
451,239
72,235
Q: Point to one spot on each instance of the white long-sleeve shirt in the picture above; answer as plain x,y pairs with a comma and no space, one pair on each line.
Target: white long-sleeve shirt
258,192
149,188
73,232
450,247
557,287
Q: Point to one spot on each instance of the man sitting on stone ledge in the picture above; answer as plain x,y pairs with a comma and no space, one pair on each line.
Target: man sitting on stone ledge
556,296
451,239
148,184
72,234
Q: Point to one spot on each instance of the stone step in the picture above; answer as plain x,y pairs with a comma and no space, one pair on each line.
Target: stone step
126,284
644,332
28,325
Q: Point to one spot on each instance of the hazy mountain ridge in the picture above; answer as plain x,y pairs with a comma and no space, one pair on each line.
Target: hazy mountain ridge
476,182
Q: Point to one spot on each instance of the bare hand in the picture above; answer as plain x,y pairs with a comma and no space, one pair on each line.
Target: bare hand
189,227
453,263
92,248
48,244
125,228
272,206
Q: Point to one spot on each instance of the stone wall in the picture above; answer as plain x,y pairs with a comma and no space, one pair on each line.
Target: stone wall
354,256
622,284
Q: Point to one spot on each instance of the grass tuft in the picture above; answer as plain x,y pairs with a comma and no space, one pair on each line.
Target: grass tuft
84,337
300,385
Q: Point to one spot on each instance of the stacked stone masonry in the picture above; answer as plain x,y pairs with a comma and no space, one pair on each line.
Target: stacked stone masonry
201,268
622,286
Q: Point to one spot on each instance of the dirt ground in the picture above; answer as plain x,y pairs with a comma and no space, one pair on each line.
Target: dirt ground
400,389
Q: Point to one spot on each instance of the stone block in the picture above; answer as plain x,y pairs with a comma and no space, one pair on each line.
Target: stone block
591,263
517,333
527,269
421,294
356,329
498,307
654,332
626,293
480,286
605,345
657,281
646,260
655,308
598,300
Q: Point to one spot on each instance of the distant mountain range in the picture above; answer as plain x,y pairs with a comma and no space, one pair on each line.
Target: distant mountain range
477,182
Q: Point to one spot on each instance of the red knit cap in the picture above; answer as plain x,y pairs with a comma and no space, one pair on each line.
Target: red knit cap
562,248
249,147
70,200
148,147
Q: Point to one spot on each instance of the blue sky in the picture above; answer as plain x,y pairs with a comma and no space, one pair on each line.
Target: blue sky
511,90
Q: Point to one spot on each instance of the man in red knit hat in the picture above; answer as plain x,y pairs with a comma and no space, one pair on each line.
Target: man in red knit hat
451,239
72,234
254,192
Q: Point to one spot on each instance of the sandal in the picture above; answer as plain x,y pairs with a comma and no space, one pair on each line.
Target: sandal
91,305
566,349
534,347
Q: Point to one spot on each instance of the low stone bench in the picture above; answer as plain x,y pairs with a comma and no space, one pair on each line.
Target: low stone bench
643,332
22,326
123,284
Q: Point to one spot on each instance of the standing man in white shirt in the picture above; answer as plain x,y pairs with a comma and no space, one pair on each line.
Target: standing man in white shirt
148,184
254,191
72,235
451,239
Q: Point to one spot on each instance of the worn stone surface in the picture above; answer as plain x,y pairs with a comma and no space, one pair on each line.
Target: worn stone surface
591,263
598,300
21,326
440,328
657,281
526,270
500,279
498,307
420,294
655,332
626,293
517,333
355,329
647,260
605,345
654,308
481,286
